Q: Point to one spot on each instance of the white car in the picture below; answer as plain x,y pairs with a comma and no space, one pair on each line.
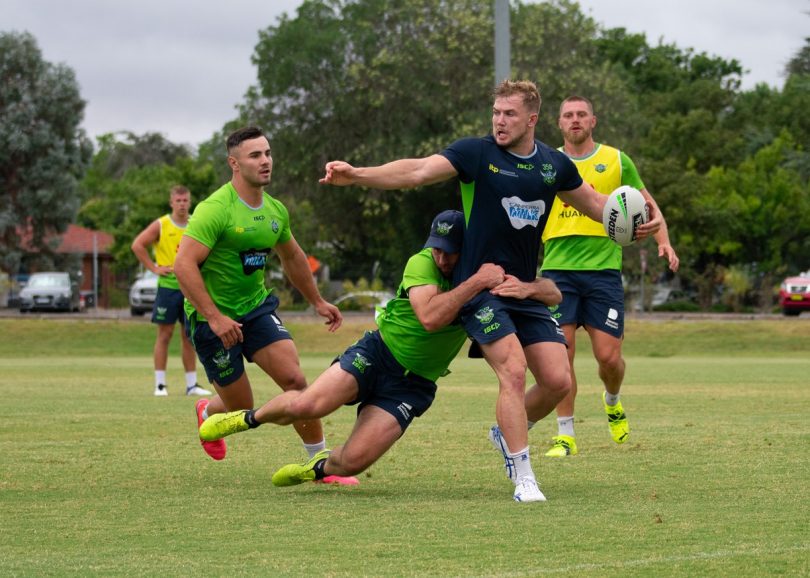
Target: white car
364,300
142,294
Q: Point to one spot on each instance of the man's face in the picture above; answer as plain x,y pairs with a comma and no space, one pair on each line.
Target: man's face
180,204
576,122
511,122
445,261
253,162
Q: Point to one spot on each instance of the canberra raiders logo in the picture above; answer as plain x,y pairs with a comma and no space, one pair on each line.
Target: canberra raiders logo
443,228
361,363
485,314
222,359
549,174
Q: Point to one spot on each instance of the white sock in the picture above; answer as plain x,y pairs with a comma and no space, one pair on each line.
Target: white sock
191,379
313,449
530,423
565,426
611,398
160,377
522,463
205,413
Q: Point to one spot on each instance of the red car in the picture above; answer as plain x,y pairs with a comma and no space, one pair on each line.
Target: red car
794,294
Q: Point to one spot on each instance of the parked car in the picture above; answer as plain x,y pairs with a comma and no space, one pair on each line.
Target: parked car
142,294
17,284
363,300
52,290
794,294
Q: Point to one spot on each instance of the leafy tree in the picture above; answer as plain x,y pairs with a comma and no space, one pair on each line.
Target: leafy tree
369,81
373,80
756,214
119,152
800,63
555,45
127,186
43,151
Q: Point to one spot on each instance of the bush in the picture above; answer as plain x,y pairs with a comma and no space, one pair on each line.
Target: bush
678,306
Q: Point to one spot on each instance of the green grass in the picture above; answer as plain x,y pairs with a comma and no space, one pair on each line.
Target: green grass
99,478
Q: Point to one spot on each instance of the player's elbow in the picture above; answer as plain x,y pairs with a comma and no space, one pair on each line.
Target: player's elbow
181,269
432,323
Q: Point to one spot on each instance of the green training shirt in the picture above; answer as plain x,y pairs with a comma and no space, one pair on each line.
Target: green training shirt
427,354
240,238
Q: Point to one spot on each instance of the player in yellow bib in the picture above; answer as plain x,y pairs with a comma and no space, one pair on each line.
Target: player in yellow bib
163,237
586,266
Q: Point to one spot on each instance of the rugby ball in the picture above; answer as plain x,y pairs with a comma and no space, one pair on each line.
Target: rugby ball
625,210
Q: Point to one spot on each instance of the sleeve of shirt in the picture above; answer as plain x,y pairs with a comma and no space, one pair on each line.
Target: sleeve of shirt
567,172
420,270
207,223
630,174
464,155
286,231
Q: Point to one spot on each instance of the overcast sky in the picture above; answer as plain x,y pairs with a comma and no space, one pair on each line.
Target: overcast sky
180,68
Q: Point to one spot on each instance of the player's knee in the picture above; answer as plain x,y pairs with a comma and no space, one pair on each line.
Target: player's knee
513,378
560,386
164,339
353,463
610,361
295,382
302,407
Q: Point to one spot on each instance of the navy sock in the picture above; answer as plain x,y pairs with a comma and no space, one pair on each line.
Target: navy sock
250,419
318,469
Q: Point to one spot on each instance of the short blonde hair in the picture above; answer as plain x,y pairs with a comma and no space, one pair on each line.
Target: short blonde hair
524,88
575,98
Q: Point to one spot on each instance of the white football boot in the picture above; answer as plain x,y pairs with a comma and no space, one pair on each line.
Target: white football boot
526,490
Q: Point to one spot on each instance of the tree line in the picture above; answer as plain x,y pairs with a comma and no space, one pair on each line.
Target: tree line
368,81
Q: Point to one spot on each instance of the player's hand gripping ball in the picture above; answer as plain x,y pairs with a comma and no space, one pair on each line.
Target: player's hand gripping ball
625,210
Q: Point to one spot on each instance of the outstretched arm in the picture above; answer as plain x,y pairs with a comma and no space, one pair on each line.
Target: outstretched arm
399,174
435,309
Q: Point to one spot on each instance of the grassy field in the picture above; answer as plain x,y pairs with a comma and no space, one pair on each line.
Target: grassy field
99,478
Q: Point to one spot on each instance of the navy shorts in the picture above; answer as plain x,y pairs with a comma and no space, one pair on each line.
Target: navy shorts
260,328
487,318
384,383
592,298
168,308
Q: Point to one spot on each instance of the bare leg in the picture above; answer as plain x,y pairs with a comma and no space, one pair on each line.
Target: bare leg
334,388
374,433
279,360
608,353
188,354
566,406
550,368
161,351
506,358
